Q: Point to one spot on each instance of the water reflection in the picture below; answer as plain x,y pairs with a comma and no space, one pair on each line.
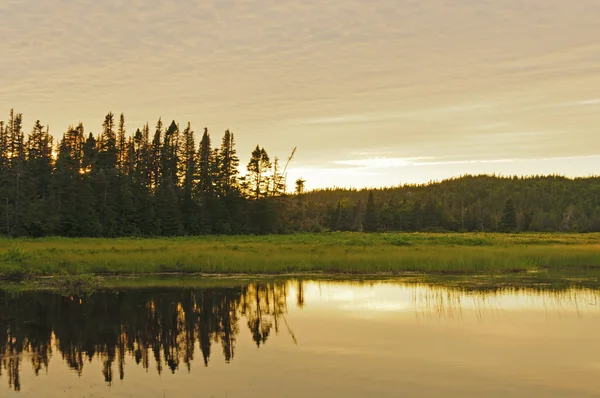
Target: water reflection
164,325
168,327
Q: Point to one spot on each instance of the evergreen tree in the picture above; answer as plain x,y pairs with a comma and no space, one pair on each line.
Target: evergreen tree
300,186
143,167
16,173
169,154
107,156
168,215
104,177
205,166
38,217
154,161
75,197
4,150
277,180
4,179
121,143
141,183
228,163
371,222
508,222
190,208
90,155
258,166
188,164
114,185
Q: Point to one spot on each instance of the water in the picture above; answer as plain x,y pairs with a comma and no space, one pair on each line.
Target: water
299,339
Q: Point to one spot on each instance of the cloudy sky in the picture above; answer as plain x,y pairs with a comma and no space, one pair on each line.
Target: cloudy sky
373,92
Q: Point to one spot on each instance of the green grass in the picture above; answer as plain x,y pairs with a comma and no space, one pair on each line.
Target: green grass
346,253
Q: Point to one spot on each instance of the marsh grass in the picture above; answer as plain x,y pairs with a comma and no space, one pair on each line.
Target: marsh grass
346,253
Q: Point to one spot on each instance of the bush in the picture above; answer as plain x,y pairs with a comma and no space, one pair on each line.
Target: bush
400,241
12,272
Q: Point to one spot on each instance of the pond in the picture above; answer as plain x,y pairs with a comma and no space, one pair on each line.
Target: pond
292,338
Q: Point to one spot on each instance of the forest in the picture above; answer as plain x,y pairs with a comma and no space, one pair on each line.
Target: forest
159,182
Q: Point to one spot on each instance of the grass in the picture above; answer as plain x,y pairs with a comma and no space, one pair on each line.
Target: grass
342,253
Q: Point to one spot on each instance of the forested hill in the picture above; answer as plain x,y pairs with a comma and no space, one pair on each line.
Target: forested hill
150,182
471,203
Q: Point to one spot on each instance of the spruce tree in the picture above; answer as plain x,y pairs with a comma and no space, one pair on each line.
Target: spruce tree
38,217
190,208
188,163
228,163
105,177
141,182
121,144
371,221
75,198
508,222
16,175
168,215
300,186
154,161
169,153
205,166
107,156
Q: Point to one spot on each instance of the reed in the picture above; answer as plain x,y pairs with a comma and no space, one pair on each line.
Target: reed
344,253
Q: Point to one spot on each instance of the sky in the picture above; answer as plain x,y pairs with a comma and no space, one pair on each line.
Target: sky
372,92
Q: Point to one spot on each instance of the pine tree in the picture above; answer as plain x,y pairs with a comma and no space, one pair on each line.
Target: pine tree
508,222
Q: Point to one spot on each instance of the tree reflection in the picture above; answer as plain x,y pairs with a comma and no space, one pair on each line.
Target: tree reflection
167,328
166,325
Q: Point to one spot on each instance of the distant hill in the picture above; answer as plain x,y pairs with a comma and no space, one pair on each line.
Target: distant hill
541,203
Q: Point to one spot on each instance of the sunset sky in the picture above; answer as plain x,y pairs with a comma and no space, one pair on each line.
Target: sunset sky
372,92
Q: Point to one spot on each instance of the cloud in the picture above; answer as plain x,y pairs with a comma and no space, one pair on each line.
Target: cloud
577,103
384,163
424,113
330,76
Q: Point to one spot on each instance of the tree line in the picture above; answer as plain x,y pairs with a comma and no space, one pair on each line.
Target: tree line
470,203
142,184
158,182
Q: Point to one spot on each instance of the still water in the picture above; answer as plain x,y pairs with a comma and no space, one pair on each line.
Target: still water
299,339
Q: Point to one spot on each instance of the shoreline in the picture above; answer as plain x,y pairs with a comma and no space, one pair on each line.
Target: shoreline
87,284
